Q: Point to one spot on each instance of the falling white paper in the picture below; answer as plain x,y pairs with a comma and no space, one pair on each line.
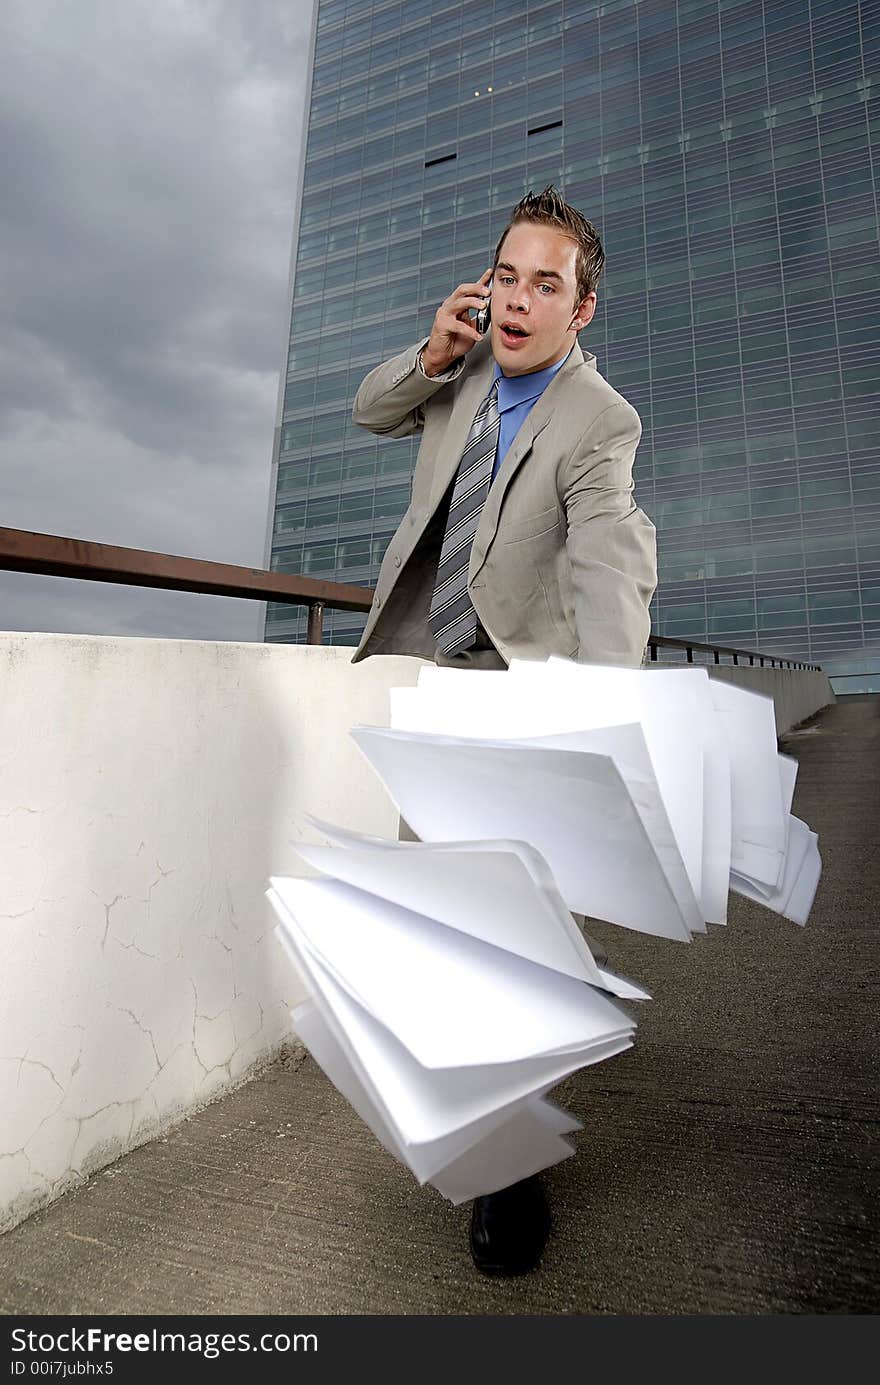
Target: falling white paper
759,820
802,867
501,892
371,948
676,720
572,806
559,696
434,1117
450,989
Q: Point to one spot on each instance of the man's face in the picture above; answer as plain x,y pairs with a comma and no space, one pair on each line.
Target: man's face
535,315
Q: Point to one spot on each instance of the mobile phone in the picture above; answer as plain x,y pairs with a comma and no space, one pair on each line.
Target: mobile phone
484,315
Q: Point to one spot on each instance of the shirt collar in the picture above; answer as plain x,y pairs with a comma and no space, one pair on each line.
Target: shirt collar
519,389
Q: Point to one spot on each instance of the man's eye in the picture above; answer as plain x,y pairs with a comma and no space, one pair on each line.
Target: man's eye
546,288
506,279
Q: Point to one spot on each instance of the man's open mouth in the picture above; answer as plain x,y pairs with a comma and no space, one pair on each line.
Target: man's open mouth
513,334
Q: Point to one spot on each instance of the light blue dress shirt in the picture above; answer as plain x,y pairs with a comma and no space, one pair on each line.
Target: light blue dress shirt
517,394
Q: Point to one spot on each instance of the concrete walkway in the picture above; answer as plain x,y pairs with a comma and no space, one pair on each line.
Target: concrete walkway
728,1163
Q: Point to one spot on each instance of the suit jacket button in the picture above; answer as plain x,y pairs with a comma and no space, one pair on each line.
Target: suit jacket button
397,562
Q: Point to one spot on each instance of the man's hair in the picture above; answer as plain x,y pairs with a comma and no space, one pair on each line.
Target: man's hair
548,208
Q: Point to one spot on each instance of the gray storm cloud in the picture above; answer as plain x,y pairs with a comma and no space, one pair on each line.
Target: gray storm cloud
149,166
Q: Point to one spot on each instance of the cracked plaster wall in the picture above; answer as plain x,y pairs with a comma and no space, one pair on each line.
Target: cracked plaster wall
148,789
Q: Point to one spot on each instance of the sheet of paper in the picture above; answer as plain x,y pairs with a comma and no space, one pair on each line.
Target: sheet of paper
759,820
800,900
511,902
452,1000
444,1110
793,898
488,895
671,706
647,800
444,706
529,1142
430,1105
425,1161
677,714
533,1138
532,859
788,769
717,831
330,1056
576,812
320,1031
333,1049
752,889
540,699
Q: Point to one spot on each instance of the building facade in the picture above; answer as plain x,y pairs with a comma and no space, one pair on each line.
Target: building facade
727,153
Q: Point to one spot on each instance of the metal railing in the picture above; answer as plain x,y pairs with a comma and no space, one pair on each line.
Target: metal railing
738,655
54,556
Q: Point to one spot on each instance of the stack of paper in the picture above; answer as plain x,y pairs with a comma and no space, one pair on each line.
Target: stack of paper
450,989
650,792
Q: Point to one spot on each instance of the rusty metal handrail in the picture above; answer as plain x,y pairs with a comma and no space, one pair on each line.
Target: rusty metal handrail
22,550
54,556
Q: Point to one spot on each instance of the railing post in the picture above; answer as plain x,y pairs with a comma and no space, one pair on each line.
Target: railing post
315,631
690,655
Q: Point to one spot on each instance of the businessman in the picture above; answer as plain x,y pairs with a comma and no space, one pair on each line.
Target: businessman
522,538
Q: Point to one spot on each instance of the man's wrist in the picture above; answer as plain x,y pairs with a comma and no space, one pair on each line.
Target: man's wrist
426,367
430,371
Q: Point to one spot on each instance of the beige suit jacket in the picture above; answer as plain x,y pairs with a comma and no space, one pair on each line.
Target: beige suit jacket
563,561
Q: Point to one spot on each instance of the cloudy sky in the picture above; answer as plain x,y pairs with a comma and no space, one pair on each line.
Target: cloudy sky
149,160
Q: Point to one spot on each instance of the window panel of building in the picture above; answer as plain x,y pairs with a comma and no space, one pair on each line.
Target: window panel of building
740,304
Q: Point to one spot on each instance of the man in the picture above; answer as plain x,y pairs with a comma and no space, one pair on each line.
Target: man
522,538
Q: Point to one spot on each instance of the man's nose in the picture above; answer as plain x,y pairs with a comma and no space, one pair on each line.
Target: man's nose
517,300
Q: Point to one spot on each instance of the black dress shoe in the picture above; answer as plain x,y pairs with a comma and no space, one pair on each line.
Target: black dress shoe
509,1229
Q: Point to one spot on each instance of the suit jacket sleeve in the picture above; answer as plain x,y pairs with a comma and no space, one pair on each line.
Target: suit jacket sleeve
391,399
611,543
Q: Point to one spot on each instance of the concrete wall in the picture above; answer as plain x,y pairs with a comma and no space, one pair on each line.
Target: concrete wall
148,790
796,694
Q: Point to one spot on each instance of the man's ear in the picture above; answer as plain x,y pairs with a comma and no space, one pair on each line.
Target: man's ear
584,312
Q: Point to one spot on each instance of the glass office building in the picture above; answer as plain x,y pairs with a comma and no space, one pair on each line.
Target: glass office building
727,153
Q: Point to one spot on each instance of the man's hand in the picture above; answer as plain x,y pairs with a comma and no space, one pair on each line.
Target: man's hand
453,334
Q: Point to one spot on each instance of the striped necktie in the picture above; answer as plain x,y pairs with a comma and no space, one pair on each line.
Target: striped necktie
452,618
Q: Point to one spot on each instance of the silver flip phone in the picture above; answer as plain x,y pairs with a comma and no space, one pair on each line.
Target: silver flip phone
484,315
